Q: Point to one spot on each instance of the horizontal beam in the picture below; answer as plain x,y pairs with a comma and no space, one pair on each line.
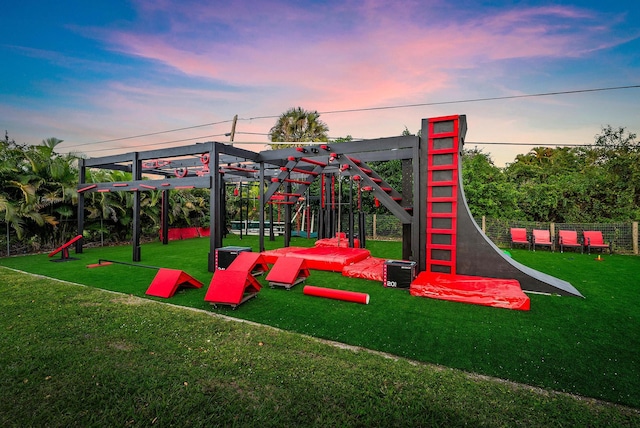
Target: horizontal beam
147,185
386,145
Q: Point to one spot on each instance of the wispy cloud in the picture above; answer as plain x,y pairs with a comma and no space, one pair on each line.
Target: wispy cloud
377,53
174,64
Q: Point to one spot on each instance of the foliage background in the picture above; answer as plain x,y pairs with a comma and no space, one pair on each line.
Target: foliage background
596,183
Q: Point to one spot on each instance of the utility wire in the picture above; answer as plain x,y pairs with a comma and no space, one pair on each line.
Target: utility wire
157,144
435,103
481,143
154,133
472,100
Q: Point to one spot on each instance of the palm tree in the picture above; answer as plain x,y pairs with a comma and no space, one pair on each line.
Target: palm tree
298,125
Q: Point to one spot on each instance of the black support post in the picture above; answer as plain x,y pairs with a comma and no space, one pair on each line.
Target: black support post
287,217
136,172
165,216
407,203
82,176
215,237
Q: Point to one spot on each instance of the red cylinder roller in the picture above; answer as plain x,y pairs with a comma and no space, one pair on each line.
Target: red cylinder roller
332,293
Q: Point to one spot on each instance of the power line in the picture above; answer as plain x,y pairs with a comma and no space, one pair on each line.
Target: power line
482,143
472,100
365,109
158,144
152,133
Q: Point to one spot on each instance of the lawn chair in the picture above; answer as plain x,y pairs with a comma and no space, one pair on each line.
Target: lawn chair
569,239
594,239
519,237
542,238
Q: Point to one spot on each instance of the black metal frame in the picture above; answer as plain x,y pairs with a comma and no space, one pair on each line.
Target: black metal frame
185,167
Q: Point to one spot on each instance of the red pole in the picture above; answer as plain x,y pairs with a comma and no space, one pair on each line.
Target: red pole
332,293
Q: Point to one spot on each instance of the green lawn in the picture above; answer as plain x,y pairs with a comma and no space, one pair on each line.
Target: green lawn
74,356
581,346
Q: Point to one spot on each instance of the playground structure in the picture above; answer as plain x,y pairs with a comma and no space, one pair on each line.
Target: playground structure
439,233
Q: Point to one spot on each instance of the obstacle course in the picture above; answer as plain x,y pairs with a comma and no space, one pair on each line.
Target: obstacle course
439,233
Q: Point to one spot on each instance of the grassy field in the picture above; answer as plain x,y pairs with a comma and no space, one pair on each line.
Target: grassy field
580,346
74,356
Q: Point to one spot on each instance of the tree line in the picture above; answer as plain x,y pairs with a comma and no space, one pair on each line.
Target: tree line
595,183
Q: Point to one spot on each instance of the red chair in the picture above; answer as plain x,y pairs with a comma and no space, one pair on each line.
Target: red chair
542,238
569,239
594,239
519,237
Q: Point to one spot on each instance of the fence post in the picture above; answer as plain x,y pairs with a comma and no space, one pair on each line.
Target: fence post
634,236
9,241
375,227
484,225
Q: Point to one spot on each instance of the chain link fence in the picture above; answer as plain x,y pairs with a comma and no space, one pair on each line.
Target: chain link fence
622,235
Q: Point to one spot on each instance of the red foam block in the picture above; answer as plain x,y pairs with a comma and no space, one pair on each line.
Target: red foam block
499,293
288,272
249,262
167,281
370,268
332,293
231,287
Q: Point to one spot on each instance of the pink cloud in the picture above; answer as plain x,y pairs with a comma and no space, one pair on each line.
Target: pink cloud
386,56
277,56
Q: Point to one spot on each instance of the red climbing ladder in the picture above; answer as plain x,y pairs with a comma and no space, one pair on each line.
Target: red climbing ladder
442,196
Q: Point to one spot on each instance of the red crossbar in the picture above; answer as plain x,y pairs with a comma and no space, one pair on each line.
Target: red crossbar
300,170
84,189
291,180
307,160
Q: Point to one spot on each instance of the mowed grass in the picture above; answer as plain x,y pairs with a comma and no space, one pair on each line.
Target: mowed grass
585,346
74,356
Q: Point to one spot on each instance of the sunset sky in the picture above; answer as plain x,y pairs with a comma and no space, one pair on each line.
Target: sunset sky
92,71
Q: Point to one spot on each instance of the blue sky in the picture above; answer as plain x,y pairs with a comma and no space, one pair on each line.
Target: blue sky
88,72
